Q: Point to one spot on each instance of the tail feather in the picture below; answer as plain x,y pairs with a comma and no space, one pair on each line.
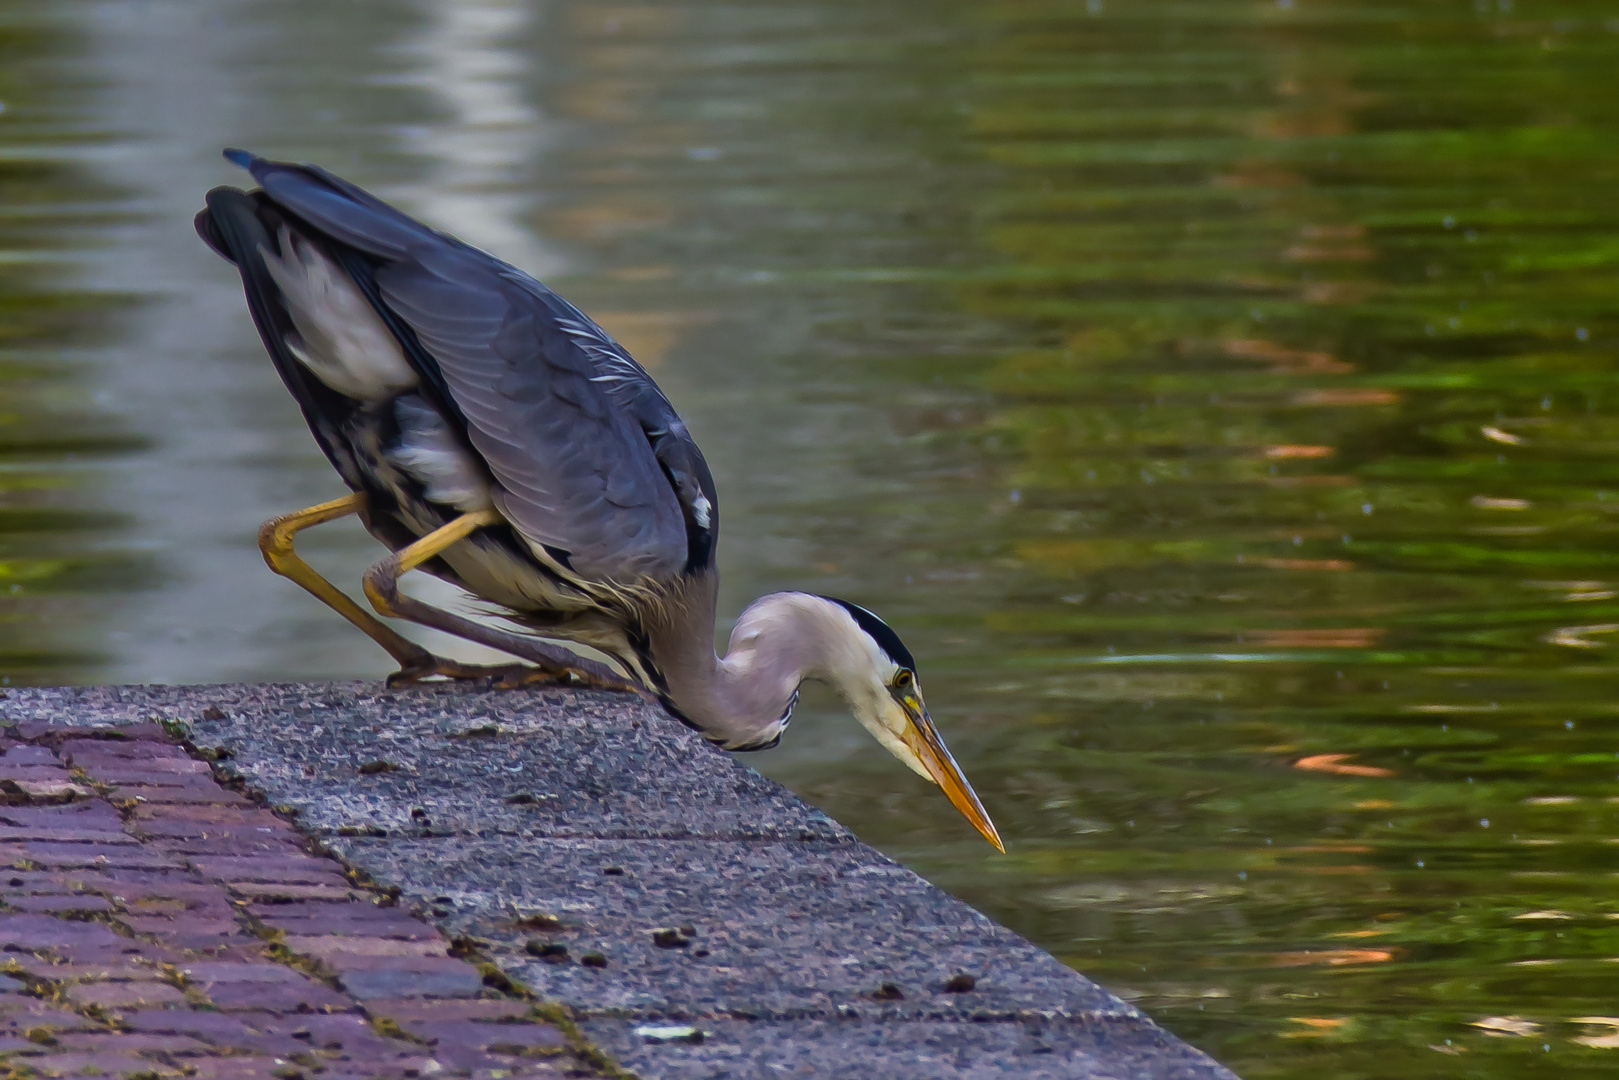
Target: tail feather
357,229
335,207
234,224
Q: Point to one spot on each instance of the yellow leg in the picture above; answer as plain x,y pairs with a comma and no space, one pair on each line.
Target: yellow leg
276,542
554,664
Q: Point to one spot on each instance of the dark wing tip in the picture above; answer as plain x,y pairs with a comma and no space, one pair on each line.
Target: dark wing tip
208,229
226,201
244,158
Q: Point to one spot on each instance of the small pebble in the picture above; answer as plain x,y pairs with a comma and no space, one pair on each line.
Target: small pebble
549,951
668,938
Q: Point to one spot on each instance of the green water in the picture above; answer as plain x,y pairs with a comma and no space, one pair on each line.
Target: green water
1218,397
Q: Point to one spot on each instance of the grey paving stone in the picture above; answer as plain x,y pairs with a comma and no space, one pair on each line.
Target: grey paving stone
909,1050
551,763
780,929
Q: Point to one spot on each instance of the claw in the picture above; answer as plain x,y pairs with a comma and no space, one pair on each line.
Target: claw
506,676
437,666
571,677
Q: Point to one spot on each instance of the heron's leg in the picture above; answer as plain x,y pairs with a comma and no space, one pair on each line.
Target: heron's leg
554,663
276,542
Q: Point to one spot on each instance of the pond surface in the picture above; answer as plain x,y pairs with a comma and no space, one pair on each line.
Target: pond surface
1218,397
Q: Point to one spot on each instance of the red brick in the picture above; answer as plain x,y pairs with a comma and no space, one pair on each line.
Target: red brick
132,1042
187,925
103,1063
28,755
167,917
237,1068
126,951
131,782
29,730
229,843
277,997
406,976
346,1033
489,1036
282,871
116,856
178,886
23,1016
262,891
91,814
122,875
121,995
97,764
20,771
206,814
256,1032
418,1064
336,946
65,835
42,931
28,881
211,795
370,920
405,1010
214,971
373,962
216,1029
111,969
76,749
58,903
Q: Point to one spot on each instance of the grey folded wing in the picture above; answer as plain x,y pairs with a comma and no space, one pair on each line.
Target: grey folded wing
590,459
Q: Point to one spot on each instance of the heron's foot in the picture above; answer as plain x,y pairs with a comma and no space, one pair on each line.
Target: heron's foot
572,677
508,676
431,666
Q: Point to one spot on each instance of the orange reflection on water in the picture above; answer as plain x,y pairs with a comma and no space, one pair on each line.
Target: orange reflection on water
1298,450
1348,395
1331,957
1505,1025
1317,1026
1307,564
1338,637
1283,360
1337,763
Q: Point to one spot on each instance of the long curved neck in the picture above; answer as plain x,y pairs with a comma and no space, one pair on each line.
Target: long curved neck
743,698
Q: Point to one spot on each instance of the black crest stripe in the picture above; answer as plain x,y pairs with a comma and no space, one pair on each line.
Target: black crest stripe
880,632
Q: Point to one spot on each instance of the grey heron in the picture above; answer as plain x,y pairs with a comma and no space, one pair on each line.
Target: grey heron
494,436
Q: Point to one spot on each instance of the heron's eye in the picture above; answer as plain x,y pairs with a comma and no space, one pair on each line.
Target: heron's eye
904,679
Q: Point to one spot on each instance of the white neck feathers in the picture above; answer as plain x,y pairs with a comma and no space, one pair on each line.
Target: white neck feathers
781,640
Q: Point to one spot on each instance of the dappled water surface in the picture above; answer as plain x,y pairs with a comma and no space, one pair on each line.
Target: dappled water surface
1218,397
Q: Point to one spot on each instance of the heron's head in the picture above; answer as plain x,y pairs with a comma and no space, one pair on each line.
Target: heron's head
874,670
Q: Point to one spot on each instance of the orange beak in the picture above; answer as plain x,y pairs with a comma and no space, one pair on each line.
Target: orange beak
924,741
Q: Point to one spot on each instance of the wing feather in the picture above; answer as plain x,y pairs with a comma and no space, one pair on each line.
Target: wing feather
591,461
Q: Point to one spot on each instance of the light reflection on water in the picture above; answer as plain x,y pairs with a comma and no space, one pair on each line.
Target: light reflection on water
1215,396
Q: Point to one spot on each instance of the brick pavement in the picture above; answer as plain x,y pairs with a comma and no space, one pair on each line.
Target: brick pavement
156,924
